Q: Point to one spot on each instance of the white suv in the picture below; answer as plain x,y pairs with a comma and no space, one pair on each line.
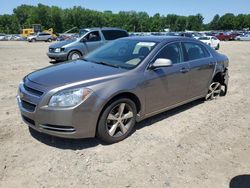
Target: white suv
47,37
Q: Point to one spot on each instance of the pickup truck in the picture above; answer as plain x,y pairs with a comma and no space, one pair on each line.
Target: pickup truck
89,40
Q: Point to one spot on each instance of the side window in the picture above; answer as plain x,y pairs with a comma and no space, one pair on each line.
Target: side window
114,34
143,48
93,36
172,52
195,51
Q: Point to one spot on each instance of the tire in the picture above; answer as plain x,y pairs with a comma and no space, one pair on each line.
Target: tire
217,47
112,127
33,40
49,40
74,55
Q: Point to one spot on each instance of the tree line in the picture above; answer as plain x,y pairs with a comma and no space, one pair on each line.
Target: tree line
63,19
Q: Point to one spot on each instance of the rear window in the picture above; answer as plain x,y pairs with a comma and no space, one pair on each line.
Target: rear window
204,38
43,34
114,34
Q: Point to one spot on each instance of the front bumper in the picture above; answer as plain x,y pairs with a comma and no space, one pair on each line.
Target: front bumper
75,122
62,56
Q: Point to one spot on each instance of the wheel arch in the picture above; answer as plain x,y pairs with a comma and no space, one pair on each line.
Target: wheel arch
128,95
219,76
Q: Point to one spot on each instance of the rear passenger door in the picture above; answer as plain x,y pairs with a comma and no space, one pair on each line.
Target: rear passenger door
39,37
202,65
43,36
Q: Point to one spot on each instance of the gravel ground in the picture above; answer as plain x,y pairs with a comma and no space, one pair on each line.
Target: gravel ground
201,144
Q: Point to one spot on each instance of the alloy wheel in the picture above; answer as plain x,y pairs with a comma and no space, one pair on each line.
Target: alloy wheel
214,91
119,120
75,56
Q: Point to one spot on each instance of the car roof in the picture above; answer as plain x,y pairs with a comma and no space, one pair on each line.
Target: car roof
158,39
102,28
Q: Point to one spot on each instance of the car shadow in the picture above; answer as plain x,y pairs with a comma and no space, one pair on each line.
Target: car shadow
54,62
167,114
65,143
241,181
79,144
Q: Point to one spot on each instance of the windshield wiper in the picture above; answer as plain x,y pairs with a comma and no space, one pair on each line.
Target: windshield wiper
101,63
107,64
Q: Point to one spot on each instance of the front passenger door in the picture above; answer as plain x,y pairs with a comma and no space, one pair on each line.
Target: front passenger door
167,86
92,41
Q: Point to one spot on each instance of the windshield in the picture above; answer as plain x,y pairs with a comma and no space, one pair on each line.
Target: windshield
121,53
82,32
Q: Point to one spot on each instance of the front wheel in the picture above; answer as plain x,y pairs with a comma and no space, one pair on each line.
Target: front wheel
117,121
74,55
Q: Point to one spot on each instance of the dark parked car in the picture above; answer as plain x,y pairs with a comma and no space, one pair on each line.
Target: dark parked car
119,84
89,40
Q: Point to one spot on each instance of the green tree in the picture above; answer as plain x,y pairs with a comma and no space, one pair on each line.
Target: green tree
64,19
195,23
227,22
214,24
181,23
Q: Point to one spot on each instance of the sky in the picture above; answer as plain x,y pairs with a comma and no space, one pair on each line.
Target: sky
208,8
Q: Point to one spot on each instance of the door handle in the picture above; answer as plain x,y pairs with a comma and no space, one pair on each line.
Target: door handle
184,70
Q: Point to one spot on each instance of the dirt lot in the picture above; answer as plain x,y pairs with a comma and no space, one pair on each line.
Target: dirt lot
202,144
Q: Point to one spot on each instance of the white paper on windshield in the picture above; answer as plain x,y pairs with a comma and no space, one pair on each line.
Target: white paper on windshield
149,44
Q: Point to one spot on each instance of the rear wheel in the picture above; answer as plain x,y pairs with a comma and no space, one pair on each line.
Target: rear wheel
74,55
49,40
214,91
217,47
117,121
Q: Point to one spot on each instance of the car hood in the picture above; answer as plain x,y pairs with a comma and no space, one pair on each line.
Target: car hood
72,72
62,43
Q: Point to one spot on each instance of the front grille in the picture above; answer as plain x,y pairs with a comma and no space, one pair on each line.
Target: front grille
28,106
32,91
58,128
28,120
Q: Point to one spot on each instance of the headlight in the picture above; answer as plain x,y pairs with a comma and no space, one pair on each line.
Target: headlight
69,98
57,50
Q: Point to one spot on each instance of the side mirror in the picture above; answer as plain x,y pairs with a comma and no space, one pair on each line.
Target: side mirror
161,62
